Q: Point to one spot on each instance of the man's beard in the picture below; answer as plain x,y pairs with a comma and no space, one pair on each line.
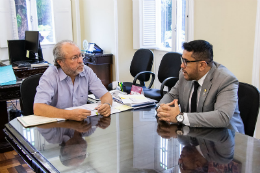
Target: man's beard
71,72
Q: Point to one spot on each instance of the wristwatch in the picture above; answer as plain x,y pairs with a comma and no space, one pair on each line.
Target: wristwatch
179,131
180,118
108,104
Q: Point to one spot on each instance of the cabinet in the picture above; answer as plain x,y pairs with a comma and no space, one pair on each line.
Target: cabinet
101,64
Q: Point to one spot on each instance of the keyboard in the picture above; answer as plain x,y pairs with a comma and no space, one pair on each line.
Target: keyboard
20,64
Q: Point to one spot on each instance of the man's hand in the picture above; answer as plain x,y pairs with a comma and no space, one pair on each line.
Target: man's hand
104,122
81,127
104,109
167,113
165,130
79,114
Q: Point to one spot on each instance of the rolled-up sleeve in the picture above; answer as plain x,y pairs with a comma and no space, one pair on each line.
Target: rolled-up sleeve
45,90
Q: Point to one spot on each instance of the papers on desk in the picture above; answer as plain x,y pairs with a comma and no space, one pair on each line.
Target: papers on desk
33,120
90,107
7,75
40,64
133,101
136,100
116,107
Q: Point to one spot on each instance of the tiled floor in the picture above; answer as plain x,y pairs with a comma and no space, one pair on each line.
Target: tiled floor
11,162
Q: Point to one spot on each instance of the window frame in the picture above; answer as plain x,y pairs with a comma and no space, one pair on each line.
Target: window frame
138,25
32,19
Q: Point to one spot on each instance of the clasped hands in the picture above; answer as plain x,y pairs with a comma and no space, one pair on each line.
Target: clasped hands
168,113
81,114
166,130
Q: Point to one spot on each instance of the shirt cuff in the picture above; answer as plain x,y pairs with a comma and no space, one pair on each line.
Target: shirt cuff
185,130
186,120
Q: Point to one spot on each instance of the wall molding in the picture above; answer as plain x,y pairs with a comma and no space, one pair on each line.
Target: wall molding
190,21
256,62
116,39
76,24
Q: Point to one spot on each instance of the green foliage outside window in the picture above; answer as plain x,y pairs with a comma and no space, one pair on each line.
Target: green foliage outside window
19,20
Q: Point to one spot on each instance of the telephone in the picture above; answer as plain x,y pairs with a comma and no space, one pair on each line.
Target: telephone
93,48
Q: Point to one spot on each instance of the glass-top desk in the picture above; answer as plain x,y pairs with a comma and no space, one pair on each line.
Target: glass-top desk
132,141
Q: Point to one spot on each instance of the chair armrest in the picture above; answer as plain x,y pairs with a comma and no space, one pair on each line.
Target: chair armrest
143,72
164,83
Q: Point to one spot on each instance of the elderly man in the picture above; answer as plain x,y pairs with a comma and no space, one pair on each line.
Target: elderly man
206,92
67,85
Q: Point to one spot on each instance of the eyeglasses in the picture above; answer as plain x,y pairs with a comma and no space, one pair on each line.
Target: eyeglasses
185,61
76,57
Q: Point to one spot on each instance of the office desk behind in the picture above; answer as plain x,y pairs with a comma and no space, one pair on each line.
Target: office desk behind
127,142
10,92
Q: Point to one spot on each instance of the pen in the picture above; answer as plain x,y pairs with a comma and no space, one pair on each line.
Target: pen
121,87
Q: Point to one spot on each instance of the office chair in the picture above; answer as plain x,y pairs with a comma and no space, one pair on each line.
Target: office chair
168,75
248,103
142,62
28,91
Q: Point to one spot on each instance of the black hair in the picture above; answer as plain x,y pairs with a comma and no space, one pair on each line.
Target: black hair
202,50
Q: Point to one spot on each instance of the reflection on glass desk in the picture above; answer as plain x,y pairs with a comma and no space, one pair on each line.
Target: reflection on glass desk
10,92
132,141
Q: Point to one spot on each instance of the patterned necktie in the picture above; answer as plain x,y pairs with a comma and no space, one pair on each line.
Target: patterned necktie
194,97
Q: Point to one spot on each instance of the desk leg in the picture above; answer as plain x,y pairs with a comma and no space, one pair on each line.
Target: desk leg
4,145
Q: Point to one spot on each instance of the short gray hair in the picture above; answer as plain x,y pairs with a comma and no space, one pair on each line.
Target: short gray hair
58,53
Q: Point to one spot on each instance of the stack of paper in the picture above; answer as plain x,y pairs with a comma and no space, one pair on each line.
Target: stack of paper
7,75
136,101
33,120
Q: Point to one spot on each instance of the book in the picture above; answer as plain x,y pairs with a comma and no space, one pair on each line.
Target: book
34,120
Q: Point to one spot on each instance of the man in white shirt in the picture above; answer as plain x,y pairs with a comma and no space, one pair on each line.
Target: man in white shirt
67,84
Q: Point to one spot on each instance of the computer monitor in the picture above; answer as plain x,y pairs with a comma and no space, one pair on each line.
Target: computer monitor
32,41
32,44
16,50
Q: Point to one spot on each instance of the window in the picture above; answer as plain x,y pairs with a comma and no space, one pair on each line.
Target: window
35,15
159,24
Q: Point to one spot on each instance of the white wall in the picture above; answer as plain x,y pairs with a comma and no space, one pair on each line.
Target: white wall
125,39
230,26
97,24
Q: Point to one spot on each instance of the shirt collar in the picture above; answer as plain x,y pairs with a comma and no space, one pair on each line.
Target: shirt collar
201,80
63,76
82,73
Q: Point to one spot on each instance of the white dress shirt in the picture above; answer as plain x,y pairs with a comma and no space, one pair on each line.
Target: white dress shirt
200,81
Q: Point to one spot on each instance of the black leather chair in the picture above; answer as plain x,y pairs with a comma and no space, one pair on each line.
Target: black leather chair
142,62
249,103
168,75
28,91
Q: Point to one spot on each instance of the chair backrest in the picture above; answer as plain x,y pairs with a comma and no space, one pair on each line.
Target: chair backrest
28,91
142,61
169,67
248,102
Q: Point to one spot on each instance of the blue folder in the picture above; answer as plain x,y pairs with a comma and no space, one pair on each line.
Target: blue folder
7,76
